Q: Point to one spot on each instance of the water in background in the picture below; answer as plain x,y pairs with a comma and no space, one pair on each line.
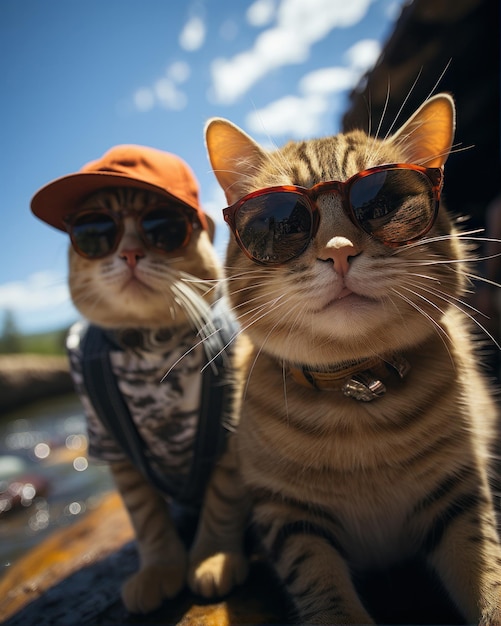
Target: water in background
46,480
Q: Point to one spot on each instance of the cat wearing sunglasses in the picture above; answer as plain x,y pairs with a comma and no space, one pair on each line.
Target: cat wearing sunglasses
142,267
366,428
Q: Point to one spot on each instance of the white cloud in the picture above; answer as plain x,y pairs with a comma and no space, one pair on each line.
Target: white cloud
165,91
261,12
298,26
41,301
303,116
192,36
363,55
40,290
328,80
144,99
168,95
291,115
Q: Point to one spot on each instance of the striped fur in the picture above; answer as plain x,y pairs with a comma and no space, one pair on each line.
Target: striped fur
340,487
169,293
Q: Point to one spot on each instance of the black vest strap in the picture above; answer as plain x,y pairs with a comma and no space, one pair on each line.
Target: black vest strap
111,408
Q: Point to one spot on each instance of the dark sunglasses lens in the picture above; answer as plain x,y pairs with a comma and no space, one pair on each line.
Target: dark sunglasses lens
94,235
274,227
395,205
166,228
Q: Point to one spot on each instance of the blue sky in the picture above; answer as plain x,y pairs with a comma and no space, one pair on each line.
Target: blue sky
80,76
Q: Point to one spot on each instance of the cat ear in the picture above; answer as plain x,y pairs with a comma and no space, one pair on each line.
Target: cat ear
426,138
234,156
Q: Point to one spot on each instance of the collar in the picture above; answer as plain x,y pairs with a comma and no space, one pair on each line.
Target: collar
360,379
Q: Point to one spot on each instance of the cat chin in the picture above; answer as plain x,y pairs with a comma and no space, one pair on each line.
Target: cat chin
136,316
329,338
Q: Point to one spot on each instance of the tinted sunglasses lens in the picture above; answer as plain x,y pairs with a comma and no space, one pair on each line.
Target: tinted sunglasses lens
395,205
94,235
274,227
166,228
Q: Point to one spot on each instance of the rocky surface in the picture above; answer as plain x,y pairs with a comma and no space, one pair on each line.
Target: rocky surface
25,378
74,579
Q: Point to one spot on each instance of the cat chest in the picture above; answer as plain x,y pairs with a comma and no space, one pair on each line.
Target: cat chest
366,490
375,527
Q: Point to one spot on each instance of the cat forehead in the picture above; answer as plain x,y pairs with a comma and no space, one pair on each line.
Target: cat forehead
329,158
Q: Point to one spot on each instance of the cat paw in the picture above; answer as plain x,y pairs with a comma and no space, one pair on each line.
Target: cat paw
216,575
150,586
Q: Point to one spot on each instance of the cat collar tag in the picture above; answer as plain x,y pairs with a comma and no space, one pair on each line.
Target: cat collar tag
360,380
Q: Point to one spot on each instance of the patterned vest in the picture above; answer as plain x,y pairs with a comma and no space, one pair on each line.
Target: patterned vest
171,427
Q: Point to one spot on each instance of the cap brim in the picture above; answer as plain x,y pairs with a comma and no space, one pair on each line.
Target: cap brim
53,202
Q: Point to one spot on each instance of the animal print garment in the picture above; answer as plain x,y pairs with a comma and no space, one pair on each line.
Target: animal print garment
165,412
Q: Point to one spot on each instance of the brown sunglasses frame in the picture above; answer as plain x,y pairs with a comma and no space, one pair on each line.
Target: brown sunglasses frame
118,219
434,175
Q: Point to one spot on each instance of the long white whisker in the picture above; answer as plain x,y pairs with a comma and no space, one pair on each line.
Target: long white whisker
258,353
441,331
452,301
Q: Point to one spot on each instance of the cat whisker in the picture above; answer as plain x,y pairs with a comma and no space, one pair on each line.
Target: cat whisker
194,347
259,312
196,307
442,333
245,179
395,119
372,141
250,301
204,285
461,306
258,273
261,348
482,279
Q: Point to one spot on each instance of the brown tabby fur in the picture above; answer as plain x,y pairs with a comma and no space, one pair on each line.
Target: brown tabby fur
340,486
154,294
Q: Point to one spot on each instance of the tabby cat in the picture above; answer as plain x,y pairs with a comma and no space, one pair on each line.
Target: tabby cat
153,304
366,424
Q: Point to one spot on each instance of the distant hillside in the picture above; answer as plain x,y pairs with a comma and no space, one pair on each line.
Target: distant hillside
45,343
48,343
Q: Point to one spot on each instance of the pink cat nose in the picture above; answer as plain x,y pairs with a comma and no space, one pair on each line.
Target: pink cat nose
132,256
340,251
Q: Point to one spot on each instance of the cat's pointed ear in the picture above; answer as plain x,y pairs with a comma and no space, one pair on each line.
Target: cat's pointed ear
426,138
234,156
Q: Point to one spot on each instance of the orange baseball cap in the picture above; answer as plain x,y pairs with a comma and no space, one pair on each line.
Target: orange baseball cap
121,166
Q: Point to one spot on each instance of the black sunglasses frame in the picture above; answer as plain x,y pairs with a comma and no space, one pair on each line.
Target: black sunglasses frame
310,195
117,217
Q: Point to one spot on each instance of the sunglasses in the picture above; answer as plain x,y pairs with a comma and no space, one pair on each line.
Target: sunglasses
96,233
396,204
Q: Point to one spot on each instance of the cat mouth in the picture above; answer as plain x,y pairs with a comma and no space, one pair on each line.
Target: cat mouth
133,282
344,293
346,297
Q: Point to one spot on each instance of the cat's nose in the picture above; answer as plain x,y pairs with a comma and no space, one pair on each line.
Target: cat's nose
340,251
132,256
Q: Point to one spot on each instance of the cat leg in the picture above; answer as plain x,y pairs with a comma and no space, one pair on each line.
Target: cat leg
307,558
163,558
464,550
217,558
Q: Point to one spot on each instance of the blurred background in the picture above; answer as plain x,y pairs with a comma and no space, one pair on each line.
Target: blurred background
78,78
